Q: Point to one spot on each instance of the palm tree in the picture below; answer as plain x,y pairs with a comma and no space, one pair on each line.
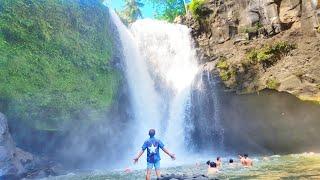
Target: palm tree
132,11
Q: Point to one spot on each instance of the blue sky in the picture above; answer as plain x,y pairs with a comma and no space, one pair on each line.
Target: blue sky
147,10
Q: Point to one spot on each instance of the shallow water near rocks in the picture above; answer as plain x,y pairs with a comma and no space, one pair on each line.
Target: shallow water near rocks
295,166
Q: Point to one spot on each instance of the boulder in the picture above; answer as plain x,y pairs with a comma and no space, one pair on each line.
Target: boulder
183,177
9,161
16,163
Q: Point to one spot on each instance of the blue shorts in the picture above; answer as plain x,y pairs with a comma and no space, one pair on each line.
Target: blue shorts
156,165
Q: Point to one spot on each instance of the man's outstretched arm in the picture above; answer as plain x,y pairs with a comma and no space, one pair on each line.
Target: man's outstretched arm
135,160
173,156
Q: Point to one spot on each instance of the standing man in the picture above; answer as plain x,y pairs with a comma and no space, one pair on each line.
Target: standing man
153,146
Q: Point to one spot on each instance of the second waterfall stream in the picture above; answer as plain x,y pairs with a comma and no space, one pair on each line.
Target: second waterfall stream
160,66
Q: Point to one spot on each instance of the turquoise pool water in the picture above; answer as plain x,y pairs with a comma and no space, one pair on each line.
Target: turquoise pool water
295,166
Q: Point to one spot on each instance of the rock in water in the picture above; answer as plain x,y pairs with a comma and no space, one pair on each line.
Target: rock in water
12,159
16,163
183,177
8,164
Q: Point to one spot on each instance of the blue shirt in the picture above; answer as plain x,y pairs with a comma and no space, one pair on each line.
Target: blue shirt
153,146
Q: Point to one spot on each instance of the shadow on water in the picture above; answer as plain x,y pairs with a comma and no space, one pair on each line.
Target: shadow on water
268,122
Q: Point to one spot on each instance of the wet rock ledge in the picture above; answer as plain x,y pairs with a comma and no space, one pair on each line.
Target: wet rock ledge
184,177
16,163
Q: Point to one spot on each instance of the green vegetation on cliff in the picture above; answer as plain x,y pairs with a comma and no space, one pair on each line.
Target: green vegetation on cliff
54,60
232,74
225,71
269,54
196,7
272,83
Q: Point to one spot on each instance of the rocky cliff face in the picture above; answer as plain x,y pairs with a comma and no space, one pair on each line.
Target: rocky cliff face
11,158
259,44
16,163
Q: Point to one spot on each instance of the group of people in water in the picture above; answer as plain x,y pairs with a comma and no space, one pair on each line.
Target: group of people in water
153,145
214,166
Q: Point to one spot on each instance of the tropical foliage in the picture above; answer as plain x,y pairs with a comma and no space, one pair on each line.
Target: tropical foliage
196,7
131,11
54,60
168,9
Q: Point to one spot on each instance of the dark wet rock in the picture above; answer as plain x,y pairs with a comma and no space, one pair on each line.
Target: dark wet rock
183,177
10,163
16,163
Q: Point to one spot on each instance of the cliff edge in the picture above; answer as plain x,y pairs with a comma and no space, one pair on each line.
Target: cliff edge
254,45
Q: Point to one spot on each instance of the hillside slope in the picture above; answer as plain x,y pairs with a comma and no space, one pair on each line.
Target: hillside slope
55,60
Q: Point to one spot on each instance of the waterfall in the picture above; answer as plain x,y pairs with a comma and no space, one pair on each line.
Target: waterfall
172,63
208,132
145,100
161,65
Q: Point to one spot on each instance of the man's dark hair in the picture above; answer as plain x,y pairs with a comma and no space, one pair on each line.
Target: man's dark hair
245,155
152,132
213,164
231,161
208,162
218,158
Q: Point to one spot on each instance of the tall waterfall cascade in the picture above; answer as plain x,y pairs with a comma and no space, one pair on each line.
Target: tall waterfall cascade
161,67
171,59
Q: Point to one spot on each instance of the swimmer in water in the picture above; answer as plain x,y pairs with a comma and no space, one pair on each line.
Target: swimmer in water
247,162
212,168
241,158
128,170
219,162
231,163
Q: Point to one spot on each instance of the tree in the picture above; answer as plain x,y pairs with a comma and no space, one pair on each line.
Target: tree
131,11
168,9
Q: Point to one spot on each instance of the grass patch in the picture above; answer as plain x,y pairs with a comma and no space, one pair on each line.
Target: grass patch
269,54
222,64
225,75
196,7
226,72
273,83
251,29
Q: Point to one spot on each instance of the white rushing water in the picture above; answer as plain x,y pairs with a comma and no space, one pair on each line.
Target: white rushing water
145,99
168,50
160,65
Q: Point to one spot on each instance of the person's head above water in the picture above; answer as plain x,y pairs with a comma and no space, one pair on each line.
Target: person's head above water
213,165
218,158
152,132
245,156
231,161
